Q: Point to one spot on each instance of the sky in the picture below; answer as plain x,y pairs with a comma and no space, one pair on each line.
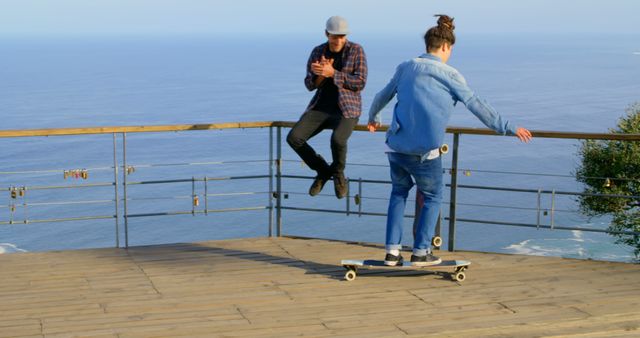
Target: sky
296,17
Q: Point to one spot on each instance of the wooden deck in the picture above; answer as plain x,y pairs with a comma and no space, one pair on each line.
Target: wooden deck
290,287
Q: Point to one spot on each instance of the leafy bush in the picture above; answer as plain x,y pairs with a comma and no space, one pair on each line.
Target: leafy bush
612,167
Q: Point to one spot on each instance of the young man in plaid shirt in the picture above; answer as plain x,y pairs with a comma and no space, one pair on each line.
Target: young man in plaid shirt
337,70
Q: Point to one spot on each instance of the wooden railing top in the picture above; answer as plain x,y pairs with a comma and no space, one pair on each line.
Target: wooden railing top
286,124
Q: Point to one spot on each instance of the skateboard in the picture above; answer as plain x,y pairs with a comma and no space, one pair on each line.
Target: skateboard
352,266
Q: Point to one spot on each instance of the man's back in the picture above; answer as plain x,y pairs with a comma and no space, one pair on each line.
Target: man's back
425,103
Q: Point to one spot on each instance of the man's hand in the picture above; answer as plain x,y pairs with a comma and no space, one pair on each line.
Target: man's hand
524,135
372,126
324,67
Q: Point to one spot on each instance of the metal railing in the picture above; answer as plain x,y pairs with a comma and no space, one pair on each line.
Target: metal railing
275,206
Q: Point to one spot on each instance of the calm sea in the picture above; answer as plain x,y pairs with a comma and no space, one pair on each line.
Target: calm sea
561,83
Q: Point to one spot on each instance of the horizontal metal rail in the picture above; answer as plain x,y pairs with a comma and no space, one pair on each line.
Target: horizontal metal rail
35,204
185,197
510,207
190,212
131,129
137,166
51,220
500,172
335,211
311,177
286,124
185,164
208,179
190,197
50,171
515,173
74,186
569,193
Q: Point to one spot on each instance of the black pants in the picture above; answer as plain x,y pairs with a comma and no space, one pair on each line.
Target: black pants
310,124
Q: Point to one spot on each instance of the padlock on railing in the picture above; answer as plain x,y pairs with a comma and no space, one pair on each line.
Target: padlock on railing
196,201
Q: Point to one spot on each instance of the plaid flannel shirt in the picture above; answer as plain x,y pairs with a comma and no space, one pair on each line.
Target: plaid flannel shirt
350,80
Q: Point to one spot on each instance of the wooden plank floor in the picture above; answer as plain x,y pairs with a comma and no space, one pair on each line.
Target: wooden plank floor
290,287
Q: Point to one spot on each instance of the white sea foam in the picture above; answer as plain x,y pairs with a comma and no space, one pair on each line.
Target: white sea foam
577,236
9,248
542,247
576,247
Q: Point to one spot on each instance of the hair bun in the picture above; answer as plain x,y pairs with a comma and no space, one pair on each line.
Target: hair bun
445,21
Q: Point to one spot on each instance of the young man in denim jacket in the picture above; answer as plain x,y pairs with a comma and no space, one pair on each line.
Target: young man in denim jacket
427,90
337,70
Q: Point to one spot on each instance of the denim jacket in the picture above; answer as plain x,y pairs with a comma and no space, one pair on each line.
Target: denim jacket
428,91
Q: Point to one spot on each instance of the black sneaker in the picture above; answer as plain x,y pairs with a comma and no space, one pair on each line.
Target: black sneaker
340,185
318,184
427,260
392,260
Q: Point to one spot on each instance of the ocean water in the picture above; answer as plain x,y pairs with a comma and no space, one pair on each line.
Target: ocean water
559,83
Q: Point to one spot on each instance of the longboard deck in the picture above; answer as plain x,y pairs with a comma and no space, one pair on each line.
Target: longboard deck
352,265
407,264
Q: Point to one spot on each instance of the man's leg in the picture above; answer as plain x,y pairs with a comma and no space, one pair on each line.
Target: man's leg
342,130
310,124
401,184
428,176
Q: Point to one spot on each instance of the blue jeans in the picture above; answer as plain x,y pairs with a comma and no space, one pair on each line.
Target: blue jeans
428,178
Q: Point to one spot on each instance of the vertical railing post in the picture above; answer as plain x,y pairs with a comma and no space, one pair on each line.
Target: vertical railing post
115,184
553,208
454,188
206,195
270,181
124,190
193,195
279,181
348,199
539,208
360,197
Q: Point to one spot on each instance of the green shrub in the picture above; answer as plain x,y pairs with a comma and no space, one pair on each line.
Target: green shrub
613,167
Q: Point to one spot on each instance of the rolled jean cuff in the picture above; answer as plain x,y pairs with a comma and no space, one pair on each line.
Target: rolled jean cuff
393,247
419,252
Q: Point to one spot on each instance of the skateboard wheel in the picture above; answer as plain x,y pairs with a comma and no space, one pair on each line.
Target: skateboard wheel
350,275
437,241
459,276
